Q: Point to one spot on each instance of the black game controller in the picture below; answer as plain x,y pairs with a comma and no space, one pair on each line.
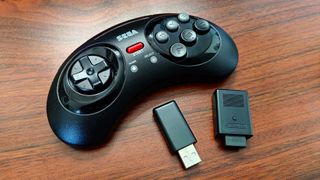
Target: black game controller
97,82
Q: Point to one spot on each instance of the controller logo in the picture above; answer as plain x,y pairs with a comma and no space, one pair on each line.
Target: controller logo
127,35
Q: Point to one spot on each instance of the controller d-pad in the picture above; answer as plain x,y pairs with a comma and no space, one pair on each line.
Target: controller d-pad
76,68
104,76
95,59
79,76
90,73
84,85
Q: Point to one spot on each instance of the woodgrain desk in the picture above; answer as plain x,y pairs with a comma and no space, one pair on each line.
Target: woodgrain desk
279,48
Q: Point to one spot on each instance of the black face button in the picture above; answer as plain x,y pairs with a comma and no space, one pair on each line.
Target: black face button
201,26
172,25
188,36
184,17
178,50
95,59
104,76
162,37
84,85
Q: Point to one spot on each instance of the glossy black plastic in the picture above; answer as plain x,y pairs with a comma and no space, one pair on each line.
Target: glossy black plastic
89,119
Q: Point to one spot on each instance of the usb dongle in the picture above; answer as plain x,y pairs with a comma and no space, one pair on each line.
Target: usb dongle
233,119
177,132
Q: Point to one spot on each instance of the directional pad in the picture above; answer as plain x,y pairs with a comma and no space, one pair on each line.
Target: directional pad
90,73
84,85
95,59
104,76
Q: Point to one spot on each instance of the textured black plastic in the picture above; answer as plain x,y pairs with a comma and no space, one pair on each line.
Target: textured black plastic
88,119
174,126
233,118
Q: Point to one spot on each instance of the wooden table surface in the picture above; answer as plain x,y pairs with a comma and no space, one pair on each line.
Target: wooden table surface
279,65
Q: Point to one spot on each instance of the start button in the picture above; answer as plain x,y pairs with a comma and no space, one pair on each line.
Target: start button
135,47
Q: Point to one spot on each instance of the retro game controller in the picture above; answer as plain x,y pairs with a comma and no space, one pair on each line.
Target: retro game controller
99,80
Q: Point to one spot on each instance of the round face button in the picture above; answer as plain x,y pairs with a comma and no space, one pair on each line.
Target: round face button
188,36
162,36
134,68
172,25
178,50
183,17
153,59
202,26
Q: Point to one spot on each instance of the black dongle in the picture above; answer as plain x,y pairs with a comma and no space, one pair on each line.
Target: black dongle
233,119
177,132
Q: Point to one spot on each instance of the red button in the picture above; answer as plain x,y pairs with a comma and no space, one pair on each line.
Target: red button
135,47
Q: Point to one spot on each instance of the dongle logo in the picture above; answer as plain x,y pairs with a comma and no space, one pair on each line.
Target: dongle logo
127,35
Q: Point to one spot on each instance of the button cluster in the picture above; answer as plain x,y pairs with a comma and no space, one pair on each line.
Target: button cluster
89,73
187,36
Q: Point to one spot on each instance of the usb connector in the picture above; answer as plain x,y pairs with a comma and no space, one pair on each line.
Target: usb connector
189,156
177,133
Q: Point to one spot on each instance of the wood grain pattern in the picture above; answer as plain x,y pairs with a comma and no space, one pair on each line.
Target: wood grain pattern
279,48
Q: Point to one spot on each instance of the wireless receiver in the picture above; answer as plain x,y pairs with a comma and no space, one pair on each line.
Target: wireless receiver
233,119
